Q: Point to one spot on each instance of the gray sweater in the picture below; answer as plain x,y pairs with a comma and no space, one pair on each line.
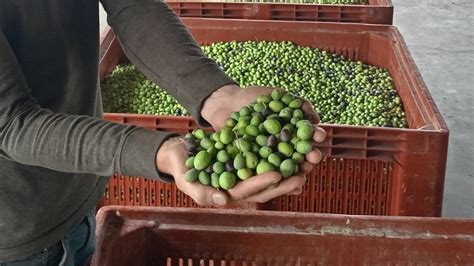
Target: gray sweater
53,144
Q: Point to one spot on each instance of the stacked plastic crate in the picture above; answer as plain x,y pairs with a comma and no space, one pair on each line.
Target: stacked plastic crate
181,236
366,170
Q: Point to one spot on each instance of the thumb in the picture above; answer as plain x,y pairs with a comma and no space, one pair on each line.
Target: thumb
204,195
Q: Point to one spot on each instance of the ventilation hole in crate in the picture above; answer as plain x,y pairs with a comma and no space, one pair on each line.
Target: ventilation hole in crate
322,208
331,206
306,187
116,192
137,193
298,204
324,164
168,198
372,207
145,192
357,185
131,197
316,183
365,206
177,200
323,183
122,193
153,196
334,164
162,200
351,166
184,202
349,206
341,164
374,186
382,208
317,167
366,186
106,193
333,184
356,206
349,184
272,205
340,184
339,206
306,204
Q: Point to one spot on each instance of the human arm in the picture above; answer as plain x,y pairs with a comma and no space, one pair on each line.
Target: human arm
33,135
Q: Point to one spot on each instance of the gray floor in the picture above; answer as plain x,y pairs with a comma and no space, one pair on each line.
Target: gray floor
440,36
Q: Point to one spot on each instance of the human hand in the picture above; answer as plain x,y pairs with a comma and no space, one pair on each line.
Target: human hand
170,159
228,99
217,108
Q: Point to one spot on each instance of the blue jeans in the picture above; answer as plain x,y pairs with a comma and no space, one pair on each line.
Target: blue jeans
74,249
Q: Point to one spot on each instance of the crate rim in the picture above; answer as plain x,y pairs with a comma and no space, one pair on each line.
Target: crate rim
380,3
105,210
385,129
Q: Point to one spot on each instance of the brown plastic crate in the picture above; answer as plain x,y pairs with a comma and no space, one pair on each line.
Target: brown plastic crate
166,236
376,12
367,170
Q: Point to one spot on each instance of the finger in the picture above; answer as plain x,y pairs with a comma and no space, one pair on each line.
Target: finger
285,187
254,185
314,156
319,134
308,109
306,167
204,195
297,191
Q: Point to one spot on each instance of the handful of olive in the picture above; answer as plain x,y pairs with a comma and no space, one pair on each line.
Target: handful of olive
270,134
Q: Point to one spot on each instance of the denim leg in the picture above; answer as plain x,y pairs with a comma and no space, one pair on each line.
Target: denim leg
79,243
74,250
48,257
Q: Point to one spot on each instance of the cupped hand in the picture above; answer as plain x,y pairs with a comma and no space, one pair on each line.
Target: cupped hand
260,188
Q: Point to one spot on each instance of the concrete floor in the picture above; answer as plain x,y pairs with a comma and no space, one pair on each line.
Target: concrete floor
440,36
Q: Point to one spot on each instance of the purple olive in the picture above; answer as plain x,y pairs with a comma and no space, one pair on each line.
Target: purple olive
229,166
188,144
192,151
285,135
266,112
272,141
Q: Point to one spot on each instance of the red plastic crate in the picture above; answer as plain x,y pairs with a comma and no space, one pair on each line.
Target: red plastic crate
367,170
166,236
376,12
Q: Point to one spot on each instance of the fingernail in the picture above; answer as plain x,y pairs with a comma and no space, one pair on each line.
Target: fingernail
218,199
273,185
320,134
276,181
297,191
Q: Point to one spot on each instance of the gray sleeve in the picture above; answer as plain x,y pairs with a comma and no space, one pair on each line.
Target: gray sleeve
155,40
32,135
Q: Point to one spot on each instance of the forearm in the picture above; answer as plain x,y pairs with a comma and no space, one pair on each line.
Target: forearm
32,135
155,40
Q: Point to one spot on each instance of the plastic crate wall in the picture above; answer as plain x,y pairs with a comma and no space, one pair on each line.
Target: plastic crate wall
375,12
367,170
